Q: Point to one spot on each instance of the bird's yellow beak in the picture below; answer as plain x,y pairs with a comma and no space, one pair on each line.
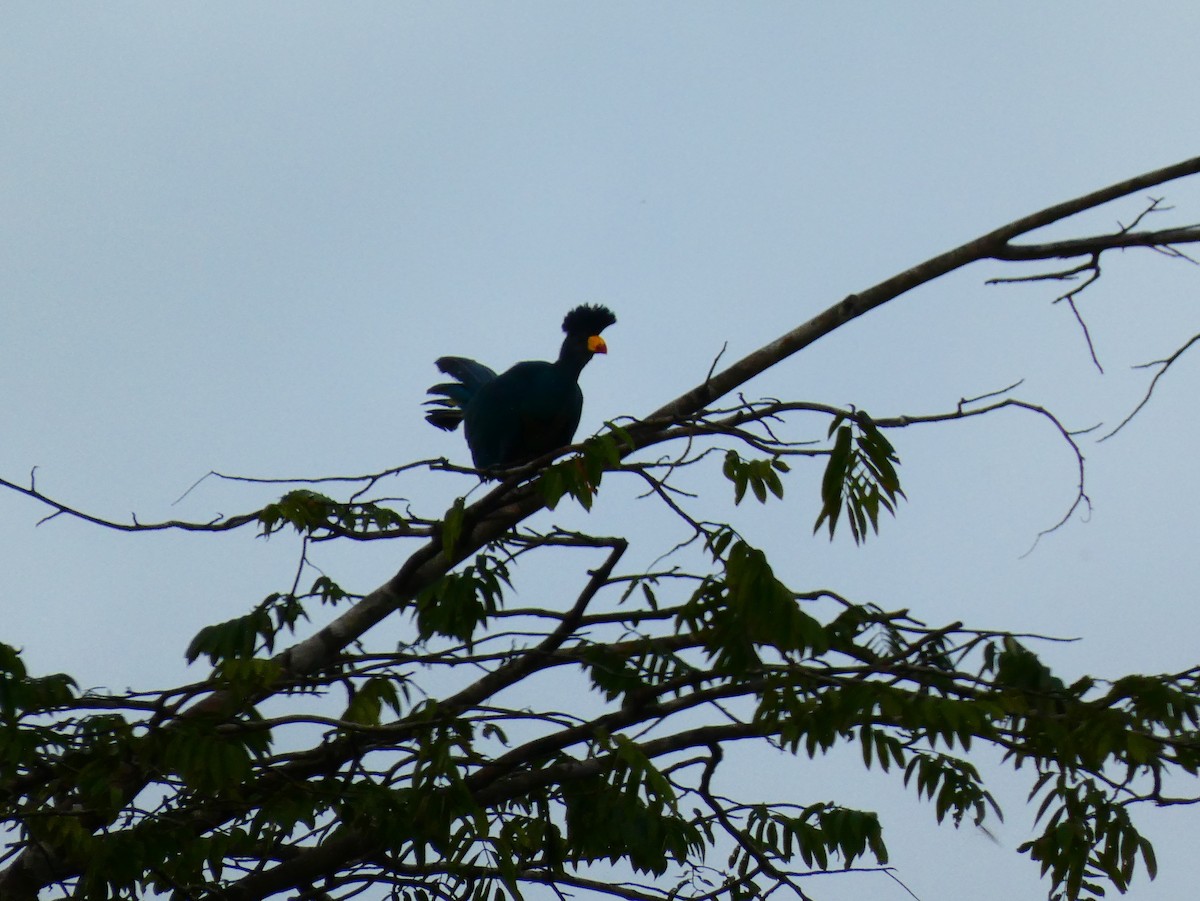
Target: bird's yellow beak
596,345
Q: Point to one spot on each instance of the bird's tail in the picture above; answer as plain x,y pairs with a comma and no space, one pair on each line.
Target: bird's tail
449,398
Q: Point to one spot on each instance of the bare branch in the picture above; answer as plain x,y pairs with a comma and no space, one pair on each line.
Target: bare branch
220,524
1096,244
989,246
1165,364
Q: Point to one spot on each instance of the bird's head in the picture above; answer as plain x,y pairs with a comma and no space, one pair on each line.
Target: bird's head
583,326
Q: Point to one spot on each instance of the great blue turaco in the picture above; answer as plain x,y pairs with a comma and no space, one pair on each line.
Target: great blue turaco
530,409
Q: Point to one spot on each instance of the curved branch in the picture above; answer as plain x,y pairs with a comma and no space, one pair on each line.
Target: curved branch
1165,364
989,246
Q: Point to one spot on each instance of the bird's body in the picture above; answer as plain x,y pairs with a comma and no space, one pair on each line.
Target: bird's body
526,411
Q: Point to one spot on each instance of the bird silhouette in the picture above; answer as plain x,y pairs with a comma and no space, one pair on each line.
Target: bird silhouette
528,410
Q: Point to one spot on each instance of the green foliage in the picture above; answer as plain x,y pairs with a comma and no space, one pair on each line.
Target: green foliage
207,755
580,476
452,527
628,813
631,677
1087,838
523,840
860,677
309,513
448,776
368,700
22,694
760,476
601,453
860,477
953,785
244,636
747,609
819,833
460,602
327,590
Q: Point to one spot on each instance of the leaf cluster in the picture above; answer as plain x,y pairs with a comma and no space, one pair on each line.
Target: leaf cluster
860,477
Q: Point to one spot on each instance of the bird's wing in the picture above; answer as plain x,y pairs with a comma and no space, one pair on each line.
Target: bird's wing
449,398
473,374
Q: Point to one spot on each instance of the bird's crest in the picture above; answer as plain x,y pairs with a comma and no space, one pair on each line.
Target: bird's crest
588,320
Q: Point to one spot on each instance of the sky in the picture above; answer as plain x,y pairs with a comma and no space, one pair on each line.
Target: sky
234,237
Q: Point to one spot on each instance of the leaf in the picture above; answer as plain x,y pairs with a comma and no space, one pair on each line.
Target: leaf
759,476
552,486
860,478
452,527
368,700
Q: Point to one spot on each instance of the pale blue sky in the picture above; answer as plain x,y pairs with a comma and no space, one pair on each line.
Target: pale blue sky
235,236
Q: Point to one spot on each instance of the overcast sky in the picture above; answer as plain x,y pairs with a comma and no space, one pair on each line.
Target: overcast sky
235,236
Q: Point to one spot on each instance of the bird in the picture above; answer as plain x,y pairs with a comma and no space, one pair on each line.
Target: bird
528,410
